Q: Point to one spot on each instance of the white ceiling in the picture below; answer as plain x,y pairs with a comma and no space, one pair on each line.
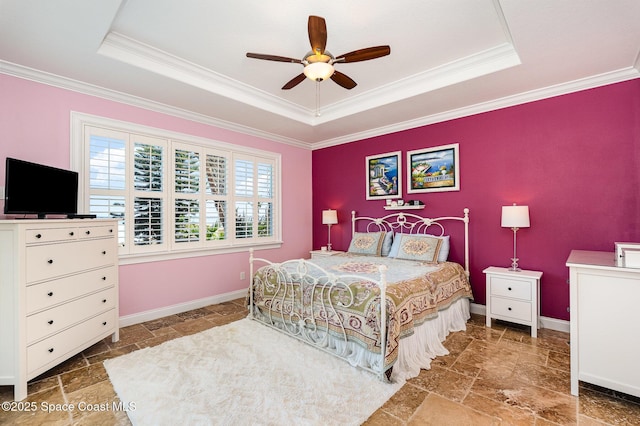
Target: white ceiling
449,58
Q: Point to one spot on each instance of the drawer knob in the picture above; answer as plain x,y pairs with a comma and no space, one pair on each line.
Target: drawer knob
50,322
509,308
38,236
111,230
50,261
104,278
104,252
104,300
104,323
71,234
50,350
509,288
88,232
50,294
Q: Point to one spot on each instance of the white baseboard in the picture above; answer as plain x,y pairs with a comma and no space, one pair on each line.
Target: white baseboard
545,322
179,308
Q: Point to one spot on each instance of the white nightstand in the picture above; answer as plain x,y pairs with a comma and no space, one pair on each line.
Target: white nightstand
513,296
316,254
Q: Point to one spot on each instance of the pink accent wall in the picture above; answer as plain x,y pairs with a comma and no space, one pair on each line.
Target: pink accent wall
35,123
573,159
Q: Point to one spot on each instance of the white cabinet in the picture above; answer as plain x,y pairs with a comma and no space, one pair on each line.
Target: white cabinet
604,301
513,296
58,293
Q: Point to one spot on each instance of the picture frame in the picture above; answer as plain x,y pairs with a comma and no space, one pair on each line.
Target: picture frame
384,176
435,169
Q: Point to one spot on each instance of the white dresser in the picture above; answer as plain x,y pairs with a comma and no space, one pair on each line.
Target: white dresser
605,330
58,293
513,296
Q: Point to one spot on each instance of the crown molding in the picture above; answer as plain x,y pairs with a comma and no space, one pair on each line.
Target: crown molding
26,73
130,51
473,66
521,98
49,79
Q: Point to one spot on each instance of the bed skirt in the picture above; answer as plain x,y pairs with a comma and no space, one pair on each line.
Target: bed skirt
415,351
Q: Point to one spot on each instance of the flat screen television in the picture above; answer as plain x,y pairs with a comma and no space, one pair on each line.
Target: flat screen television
32,188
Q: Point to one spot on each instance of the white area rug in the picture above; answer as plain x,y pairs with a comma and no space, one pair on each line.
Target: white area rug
244,373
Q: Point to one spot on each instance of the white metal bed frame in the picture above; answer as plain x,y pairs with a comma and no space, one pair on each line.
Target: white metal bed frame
304,281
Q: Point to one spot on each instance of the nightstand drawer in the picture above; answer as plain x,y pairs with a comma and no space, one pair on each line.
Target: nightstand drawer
511,308
509,287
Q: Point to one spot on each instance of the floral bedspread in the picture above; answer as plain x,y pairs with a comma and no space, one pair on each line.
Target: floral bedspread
416,291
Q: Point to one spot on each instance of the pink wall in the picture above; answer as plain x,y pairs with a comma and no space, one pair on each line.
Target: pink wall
574,159
35,123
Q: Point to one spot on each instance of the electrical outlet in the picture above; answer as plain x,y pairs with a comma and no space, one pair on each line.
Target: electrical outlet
242,276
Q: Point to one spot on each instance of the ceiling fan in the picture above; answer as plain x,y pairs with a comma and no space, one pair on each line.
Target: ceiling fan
318,63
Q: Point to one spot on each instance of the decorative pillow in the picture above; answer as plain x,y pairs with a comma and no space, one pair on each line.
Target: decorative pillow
418,247
443,256
367,243
386,244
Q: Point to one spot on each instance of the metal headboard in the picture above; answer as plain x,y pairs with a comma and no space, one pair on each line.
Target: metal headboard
409,223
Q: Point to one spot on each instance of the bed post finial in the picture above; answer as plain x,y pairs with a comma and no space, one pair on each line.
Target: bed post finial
466,242
353,223
251,306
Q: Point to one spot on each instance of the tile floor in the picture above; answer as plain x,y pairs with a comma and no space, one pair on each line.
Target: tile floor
494,376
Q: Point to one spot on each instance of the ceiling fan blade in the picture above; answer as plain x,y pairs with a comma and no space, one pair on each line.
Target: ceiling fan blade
273,58
343,80
364,54
294,82
317,34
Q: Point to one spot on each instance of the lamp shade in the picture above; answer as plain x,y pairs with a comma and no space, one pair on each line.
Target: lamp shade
515,216
318,71
329,217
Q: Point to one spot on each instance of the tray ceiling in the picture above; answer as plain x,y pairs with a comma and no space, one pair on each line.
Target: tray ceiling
448,58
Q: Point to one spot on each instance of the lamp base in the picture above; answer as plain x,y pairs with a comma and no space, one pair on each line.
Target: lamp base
514,265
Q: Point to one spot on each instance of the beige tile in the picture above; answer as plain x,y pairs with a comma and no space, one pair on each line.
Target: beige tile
436,410
603,407
404,403
83,377
382,418
95,403
192,326
447,383
160,323
505,414
497,375
130,335
553,406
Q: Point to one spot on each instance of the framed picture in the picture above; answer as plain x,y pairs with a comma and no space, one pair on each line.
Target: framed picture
384,176
434,169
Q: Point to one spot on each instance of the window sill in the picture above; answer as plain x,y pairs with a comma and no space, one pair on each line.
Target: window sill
131,259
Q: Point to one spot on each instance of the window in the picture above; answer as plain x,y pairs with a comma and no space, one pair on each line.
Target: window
175,195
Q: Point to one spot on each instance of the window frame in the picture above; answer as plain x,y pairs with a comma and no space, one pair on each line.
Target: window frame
80,156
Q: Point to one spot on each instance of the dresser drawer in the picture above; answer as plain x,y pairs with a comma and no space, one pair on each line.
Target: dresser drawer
50,261
55,319
515,309
48,235
50,293
509,287
58,347
96,231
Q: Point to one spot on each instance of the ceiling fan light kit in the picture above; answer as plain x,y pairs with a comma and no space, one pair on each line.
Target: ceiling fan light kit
318,63
319,71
